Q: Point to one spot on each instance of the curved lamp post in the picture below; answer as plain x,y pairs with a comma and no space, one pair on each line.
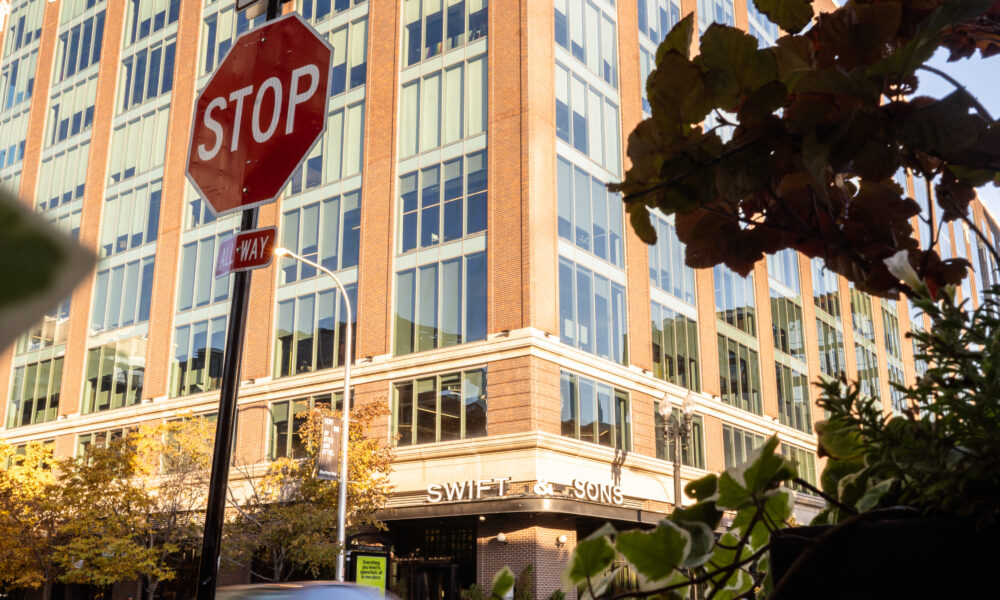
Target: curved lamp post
678,432
342,502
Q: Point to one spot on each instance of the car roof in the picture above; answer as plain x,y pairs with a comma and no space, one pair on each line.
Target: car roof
296,589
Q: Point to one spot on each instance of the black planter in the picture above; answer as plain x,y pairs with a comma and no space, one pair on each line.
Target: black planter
913,558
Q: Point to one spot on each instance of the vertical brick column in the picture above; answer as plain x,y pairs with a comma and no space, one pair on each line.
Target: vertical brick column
708,343
32,153
519,173
161,315
78,331
35,134
531,540
715,458
381,98
546,396
636,251
259,336
644,429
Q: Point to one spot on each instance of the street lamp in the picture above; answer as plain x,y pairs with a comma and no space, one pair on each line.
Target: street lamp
345,430
678,432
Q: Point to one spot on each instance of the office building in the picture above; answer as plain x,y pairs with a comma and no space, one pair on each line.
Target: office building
523,336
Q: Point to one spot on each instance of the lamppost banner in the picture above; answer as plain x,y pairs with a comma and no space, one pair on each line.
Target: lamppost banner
328,460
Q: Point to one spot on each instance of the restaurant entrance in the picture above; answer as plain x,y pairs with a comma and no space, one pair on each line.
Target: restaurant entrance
435,558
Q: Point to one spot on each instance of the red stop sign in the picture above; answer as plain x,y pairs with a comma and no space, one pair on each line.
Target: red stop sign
260,114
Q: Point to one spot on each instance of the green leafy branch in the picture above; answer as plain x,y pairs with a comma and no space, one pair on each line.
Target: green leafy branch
821,122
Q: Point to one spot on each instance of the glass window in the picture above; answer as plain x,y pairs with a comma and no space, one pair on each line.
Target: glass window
786,325
49,331
657,18
24,25
17,79
219,31
197,361
675,347
147,73
138,145
431,27
80,46
760,26
327,232
441,304
312,332
738,444
806,465
826,293
62,180
287,419
451,106
868,378
793,398
34,393
131,218
440,408
121,300
715,11
734,299
595,412
592,312
197,285
587,120
321,10
350,67
890,330
442,203
862,315
590,216
739,375
667,270
831,349
115,373
783,267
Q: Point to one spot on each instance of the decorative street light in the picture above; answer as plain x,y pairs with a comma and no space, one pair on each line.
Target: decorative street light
342,502
677,432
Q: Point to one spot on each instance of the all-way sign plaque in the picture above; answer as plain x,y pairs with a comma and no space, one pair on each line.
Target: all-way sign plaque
246,250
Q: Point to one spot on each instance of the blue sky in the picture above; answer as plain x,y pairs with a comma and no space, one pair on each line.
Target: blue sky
982,79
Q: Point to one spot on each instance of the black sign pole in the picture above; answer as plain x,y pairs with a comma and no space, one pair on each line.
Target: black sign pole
215,513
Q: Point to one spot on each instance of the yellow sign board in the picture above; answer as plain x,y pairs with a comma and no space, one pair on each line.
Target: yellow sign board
371,571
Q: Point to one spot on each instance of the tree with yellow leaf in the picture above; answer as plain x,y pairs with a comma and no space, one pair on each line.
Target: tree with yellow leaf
32,516
288,518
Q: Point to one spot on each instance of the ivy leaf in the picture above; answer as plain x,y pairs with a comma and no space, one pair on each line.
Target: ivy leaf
838,440
767,469
701,512
638,216
919,49
835,471
941,126
590,558
733,65
677,95
678,39
794,56
503,582
704,488
872,496
657,553
790,15
837,81
702,543
732,494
